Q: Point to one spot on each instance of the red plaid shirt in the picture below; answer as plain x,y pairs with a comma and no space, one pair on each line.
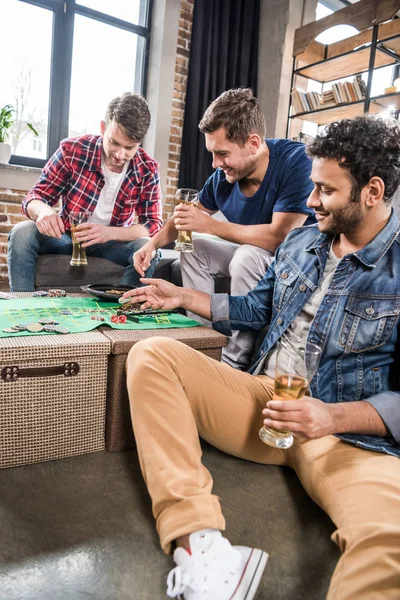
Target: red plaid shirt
74,174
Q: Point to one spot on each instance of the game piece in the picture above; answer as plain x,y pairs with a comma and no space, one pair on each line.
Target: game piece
122,319
97,318
10,330
46,321
60,329
49,328
34,327
57,293
19,327
114,319
124,300
40,294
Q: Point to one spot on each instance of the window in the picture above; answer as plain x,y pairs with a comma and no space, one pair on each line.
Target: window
75,57
25,75
37,146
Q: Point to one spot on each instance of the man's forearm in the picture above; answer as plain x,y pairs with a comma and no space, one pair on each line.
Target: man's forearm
357,417
166,235
197,302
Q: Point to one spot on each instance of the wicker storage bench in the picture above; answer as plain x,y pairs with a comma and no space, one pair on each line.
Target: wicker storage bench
52,396
119,434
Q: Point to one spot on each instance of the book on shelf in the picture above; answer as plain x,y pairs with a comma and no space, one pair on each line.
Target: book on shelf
340,93
361,84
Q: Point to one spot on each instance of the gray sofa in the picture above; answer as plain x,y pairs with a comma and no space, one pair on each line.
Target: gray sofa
54,270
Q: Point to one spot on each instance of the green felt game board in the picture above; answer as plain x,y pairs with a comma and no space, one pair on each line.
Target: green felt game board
18,311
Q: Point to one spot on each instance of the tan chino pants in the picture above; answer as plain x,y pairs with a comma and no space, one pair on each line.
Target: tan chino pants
176,394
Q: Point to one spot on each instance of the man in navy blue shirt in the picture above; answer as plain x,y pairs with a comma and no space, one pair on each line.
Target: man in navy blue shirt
260,186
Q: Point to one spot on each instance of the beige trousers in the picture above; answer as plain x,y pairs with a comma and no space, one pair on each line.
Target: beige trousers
176,394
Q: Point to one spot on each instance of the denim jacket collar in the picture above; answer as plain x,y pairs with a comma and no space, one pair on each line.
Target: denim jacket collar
370,254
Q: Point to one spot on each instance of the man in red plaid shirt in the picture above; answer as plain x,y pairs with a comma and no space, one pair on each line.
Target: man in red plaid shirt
112,178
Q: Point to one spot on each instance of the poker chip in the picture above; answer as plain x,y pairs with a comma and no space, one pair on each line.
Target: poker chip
34,327
124,300
18,327
10,330
40,293
46,321
57,293
49,328
60,329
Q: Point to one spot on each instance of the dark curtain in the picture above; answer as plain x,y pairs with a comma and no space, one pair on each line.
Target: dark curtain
223,55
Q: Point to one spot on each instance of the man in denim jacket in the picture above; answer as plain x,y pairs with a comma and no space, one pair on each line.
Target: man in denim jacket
336,284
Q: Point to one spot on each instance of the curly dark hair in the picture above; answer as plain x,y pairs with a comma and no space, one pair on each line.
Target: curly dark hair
366,147
239,112
131,112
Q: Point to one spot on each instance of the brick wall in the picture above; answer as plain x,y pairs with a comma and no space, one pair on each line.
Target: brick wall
178,105
10,214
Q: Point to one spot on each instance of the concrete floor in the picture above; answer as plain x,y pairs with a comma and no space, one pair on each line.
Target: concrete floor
82,528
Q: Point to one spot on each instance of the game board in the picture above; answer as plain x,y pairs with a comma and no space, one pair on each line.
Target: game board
19,311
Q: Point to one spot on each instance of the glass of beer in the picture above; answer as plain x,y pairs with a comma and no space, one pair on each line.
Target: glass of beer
295,368
78,258
184,240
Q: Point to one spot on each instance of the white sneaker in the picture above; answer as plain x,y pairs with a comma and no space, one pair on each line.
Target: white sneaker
215,570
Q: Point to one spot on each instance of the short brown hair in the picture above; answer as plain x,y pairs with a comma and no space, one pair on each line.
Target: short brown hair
239,112
131,113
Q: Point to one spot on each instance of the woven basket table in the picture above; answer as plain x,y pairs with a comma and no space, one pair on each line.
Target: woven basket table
119,435
52,396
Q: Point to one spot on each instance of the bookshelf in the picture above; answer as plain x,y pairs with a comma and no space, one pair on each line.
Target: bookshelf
376,45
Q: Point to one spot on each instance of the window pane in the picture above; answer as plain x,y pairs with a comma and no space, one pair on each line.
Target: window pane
381,79
103,66
25,73
127,10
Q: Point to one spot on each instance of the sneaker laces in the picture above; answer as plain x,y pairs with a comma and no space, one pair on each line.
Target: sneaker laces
189,573
178,581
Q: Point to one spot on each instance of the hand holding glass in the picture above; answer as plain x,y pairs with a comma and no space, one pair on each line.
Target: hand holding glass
184,241
294,372
78,253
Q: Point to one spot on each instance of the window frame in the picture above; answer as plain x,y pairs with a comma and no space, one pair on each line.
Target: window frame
64,12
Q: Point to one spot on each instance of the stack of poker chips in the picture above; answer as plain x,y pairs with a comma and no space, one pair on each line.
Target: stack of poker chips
51,293
49,325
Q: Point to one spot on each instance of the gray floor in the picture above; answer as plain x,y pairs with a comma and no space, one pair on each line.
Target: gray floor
81,528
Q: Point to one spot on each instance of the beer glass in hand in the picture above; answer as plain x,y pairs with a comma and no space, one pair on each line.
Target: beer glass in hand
184,240
78,253
294,371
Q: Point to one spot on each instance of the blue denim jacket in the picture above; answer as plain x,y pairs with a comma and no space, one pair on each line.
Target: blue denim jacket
357,323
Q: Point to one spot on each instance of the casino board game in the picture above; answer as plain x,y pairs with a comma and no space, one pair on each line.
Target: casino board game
71,314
